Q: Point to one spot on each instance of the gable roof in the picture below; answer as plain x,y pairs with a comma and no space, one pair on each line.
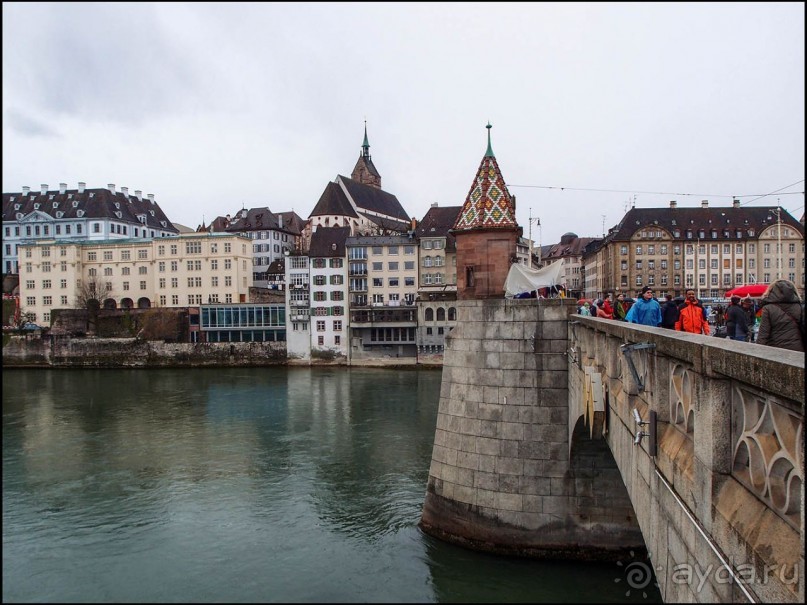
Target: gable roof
438,222
333,201
721,219
488,203
328,242
373,199
93,203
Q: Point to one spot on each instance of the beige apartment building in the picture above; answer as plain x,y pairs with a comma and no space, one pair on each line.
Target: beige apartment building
188,270
711,249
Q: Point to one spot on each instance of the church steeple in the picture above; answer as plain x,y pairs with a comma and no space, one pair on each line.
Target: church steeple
364,171
489,152
365,146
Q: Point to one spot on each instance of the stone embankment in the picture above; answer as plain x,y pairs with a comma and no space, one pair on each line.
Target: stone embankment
134,353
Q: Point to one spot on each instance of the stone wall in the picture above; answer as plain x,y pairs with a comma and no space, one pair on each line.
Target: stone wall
131,352
502,478
730,448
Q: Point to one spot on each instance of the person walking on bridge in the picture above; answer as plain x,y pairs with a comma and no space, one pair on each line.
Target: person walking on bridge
645,310
736,320
690,318
782,323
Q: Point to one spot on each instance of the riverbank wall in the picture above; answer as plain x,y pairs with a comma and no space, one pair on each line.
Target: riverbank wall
134,353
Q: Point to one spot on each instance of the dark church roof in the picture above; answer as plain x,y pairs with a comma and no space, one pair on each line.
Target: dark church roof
328,242
90,203
333,201
373,199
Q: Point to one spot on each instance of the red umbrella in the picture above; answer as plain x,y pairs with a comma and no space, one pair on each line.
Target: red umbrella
754,290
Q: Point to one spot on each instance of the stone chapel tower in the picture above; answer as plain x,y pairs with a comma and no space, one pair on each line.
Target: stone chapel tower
365,172
486,232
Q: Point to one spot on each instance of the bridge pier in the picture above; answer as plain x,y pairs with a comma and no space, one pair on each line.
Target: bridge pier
503,477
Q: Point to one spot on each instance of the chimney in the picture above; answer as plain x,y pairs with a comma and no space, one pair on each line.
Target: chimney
414,223
25,190
111,188
125,192
81,187
735,203
704,203
139,194
673,204
280,220
62,188
434,204
44,189
151,197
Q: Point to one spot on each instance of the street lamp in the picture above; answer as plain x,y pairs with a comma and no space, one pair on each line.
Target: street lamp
537,221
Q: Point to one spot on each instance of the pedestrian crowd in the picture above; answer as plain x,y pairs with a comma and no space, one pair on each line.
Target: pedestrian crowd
778,318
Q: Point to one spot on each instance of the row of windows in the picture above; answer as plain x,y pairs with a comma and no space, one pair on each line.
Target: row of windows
337,325
393,266
729,279
360,252
334,280
44,230
250,316
265,235
393,282
713,248
441,314
319,263
336,295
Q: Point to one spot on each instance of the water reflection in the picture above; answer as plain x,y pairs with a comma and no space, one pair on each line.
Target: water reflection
260,484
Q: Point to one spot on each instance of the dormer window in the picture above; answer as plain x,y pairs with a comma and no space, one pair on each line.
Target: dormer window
163,223
50,197
13,198
19,216
151,212
55,205
750,233
91,194
79,213
59,214
75,203
69,196
16,206
117,204
118,213
36,206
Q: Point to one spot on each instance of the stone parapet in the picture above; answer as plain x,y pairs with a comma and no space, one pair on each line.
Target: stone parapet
728,476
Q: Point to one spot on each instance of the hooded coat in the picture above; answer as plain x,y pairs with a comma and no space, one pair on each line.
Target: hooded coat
781,323
645,312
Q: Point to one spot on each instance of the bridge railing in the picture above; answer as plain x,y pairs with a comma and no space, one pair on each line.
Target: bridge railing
730,444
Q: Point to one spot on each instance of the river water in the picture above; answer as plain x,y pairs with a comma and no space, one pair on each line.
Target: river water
244,485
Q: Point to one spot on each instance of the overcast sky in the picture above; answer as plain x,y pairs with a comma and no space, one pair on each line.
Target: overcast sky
212,107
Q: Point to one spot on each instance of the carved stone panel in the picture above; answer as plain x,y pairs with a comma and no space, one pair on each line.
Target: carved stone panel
768,451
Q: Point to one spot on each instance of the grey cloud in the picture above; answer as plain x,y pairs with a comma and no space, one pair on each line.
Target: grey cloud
104,61
27,125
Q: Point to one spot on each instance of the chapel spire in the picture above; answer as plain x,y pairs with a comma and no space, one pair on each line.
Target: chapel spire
365,171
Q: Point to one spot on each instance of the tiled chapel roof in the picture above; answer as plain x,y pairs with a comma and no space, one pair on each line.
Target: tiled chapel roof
488,203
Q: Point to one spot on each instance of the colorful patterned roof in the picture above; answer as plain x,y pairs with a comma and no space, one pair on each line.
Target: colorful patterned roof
488,203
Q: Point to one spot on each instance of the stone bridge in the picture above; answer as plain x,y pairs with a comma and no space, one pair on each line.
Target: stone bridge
536,453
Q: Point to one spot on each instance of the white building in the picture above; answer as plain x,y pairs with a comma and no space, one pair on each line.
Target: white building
78,215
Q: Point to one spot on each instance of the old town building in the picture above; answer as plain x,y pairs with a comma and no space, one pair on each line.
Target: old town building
711,249
78,215
187,270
